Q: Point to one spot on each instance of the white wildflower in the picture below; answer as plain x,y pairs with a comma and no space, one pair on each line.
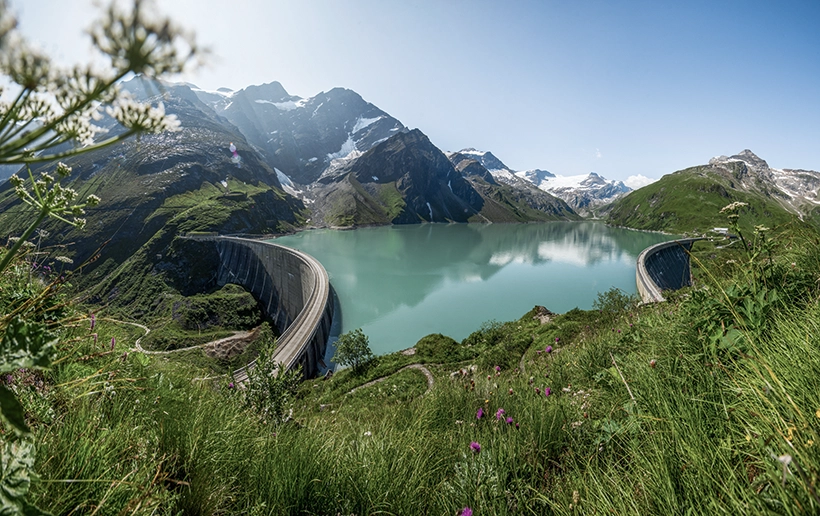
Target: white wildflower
733,207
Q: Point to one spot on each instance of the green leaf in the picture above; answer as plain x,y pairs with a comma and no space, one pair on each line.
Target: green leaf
31,510
25,345
11,410
15,477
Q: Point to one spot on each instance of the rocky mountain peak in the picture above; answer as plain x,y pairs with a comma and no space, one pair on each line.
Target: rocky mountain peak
746,156
272,91
486,158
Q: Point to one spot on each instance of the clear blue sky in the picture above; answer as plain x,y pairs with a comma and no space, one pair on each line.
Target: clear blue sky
616,87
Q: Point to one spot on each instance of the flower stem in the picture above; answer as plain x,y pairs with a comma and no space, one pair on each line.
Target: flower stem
16,247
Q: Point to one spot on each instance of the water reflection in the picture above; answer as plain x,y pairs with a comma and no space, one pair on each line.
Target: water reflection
397,282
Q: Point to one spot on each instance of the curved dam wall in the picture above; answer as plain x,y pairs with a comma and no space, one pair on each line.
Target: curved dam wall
664,266
293,289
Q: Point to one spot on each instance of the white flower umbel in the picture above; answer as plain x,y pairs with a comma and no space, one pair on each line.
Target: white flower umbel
50,106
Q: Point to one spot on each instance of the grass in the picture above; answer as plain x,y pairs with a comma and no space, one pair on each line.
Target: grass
652,410
690,201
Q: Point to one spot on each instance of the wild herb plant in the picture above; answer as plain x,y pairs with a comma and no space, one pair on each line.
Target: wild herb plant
49,117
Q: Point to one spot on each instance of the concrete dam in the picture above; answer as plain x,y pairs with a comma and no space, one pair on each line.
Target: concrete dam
293,289
664,266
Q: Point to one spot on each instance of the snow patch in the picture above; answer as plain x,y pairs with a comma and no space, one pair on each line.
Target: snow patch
431,211
449,185
226,93
224,183
286,183
499,173
348,147
288,105
375,178
361,123
311,160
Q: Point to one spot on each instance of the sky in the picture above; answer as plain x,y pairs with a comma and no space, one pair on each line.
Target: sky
621,88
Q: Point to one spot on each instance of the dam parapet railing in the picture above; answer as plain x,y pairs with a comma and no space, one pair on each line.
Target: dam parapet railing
664,266
293,289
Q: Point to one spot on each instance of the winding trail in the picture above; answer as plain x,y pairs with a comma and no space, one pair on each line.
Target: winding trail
426,372
237,335
144,328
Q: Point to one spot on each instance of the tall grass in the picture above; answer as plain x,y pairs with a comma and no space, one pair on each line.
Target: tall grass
644,416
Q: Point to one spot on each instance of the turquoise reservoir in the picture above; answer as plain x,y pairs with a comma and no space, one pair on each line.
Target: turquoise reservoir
400,283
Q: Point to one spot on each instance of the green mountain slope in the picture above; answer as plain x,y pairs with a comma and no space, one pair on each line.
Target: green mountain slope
690,200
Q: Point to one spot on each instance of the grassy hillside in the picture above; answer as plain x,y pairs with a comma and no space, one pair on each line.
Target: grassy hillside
706,404
689,201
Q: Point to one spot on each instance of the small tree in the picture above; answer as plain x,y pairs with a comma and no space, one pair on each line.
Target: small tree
353,349
270,391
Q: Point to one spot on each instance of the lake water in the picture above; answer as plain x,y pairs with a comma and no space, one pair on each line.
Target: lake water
400,283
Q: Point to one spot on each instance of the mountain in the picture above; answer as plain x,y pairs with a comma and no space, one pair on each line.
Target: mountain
690,200
407,179
516,191
799,187
584,194
301,137
156,187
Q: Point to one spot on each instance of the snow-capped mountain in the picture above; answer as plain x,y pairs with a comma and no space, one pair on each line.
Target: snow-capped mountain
799,187
583,193
302,136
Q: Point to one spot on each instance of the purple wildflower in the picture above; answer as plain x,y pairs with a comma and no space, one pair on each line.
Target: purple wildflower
499,413
497,369
93,321
556,339
475,447
113,343
547,391
466,512
509,420
230,385
548,349
480,413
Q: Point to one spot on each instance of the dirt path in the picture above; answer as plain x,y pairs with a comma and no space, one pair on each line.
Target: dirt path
144,328
426,372
225,342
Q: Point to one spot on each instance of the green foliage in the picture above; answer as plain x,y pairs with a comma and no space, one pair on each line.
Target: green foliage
24,345
353,349
230,307
270,391
438,348
613,300
16,465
